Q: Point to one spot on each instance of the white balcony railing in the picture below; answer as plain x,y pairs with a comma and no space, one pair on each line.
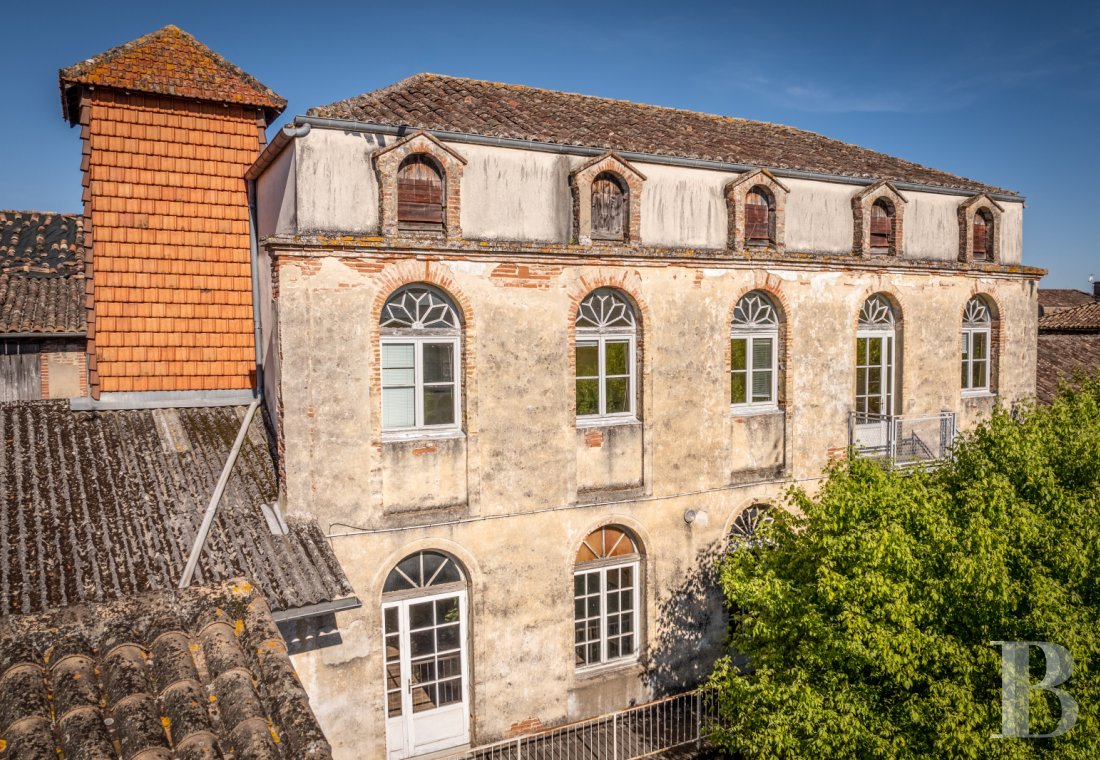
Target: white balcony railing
904,440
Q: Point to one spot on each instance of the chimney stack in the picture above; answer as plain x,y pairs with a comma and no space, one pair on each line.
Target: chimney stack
169,128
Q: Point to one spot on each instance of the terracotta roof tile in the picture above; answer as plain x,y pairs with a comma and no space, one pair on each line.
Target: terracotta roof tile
1086,318
435,102
41,273
1060,356
199,673
104,505
169,61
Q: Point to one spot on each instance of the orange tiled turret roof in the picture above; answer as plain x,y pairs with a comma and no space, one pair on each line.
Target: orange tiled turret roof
169,61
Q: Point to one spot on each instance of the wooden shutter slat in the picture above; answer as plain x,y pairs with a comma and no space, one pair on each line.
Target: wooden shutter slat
419,193
608,209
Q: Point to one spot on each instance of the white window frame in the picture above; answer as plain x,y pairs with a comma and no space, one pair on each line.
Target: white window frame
601,567
968,360
418,342
601,340
751,335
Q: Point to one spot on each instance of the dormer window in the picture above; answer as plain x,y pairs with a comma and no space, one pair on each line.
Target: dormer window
882,226
609,206
758,218
983,235
420,194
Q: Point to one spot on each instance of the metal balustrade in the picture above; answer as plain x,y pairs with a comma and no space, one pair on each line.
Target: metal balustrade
667,724
904,440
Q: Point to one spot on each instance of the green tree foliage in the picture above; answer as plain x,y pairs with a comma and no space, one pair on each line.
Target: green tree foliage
864,625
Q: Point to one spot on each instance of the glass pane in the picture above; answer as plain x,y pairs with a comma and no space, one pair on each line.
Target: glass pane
393,704
588,360
613,603
618,395
612,649
393,648
578,585
628,606
578,609
422,642
439,405
762,353
424,698
616,357
965,345
628,577
397,376
965,373
874,346
421,615
450,666
738,353
874,381
398,407
861,381
762,386
390,616
580,659
874,405
593,606
861,351
446,610
423,671
979,375
738,385
447,637
612,578
594,652
450,692
398,355
439,362
628,645
980,345
588,397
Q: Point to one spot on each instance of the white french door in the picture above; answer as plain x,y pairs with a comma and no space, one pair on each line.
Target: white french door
874,388
427,674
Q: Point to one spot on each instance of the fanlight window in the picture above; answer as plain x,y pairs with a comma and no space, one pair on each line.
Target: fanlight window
977,330
983,235
744,533
877,313
758,217
882,226
754,341
605,361
421,360
420,194
423,570
609,206
606,598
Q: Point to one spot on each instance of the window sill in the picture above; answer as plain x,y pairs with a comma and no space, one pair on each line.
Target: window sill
745,410
403,436
629,666
978,394
593,422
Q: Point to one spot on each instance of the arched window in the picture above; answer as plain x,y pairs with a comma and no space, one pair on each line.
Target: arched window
882,226
609,207
420,192
605,353
606,597
759,211
983,235
977,332
754,342
744,532
875,359
425,633
421,357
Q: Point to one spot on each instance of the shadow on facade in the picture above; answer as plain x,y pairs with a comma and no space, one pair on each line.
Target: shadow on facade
309,634
691,628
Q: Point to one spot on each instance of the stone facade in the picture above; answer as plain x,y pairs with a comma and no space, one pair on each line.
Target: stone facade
514,489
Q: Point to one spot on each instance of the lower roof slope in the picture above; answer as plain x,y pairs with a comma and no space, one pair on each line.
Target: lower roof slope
1084,318
1060,357
195,675
103,505
41,273
492,109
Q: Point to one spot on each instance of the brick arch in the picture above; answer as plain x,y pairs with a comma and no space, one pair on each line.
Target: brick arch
408,272
969,209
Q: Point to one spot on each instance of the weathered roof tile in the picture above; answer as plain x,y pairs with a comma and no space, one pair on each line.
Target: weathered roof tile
432,101
41,272
1086,317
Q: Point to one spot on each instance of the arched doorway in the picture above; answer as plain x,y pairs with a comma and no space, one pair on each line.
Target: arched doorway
425,632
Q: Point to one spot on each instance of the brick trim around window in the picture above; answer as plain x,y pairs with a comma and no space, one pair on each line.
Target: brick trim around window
388,160
968,209
862,202
580,183
737,191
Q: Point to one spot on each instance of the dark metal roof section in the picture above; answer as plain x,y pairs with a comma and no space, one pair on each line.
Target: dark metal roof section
41,273
492,109
195,674
103,505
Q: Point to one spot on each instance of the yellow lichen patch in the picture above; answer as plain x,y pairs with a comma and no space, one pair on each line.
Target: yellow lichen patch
167,723
3,745
274,732
213,697
238,627
194,647
244,587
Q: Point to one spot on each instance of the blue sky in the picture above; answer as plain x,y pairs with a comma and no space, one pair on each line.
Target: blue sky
1005,93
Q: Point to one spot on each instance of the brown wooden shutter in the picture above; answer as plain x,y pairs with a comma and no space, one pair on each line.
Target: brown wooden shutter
881,226
981,237
757,218
419,193
608,208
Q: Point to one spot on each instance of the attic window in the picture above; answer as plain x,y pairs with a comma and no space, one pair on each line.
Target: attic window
758,218
609,199
420,194
983,235
882,226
